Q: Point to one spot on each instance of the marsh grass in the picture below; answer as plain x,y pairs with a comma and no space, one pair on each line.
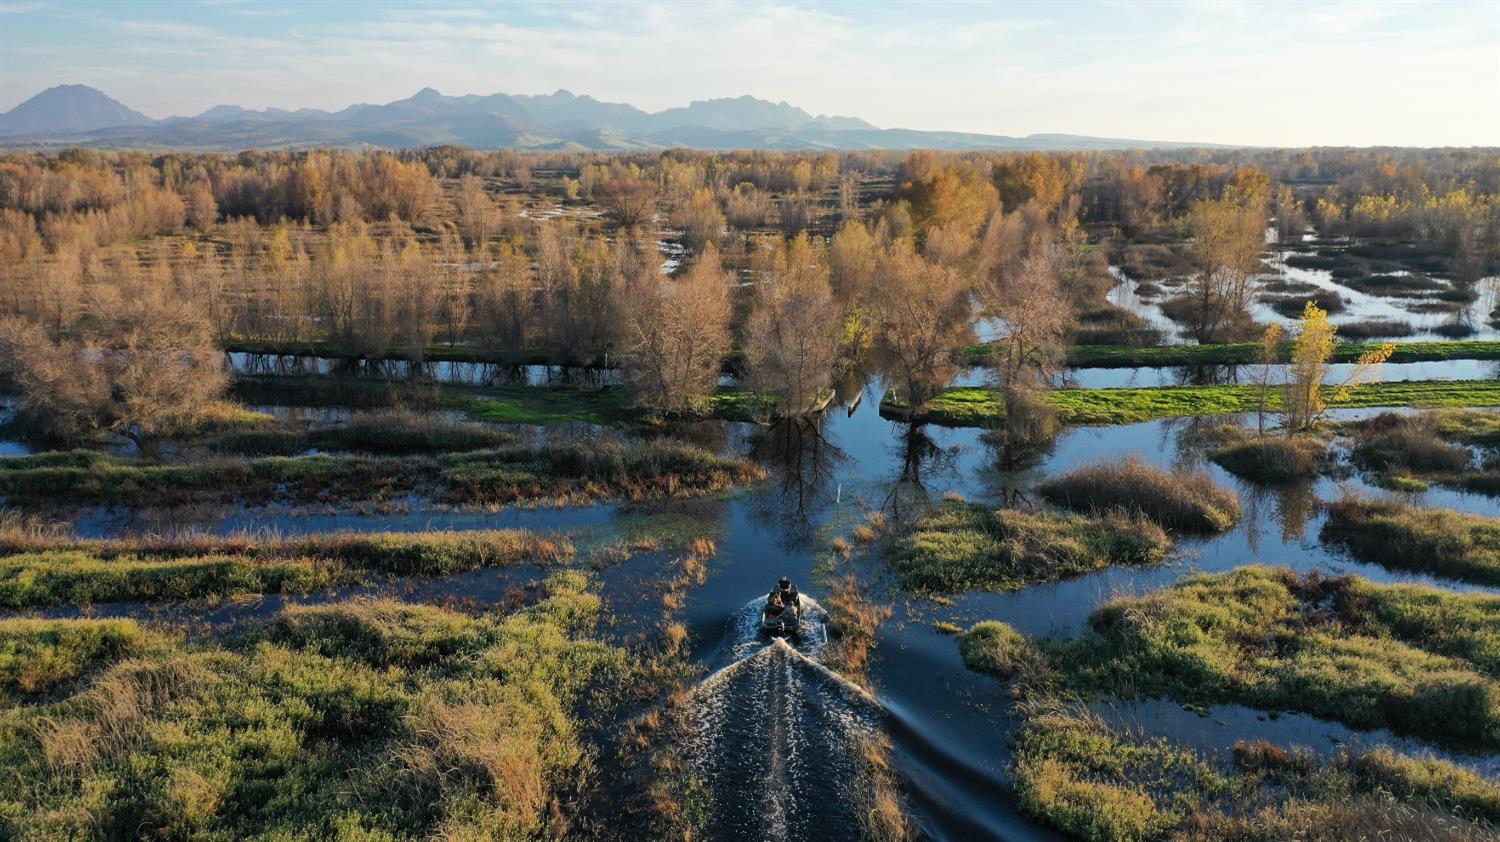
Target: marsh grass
392,432
39,569
1415,660
1401,536
877,791
1177,499
1394,443
577,472
854,618
39,655
370,719
967,546
978,406
1274,459
1076,773
1468,426
995,648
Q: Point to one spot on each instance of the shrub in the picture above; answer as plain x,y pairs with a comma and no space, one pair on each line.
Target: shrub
1375,329
1390,442
965,546
1274,459
37,655
1404,537
993,647
1191,502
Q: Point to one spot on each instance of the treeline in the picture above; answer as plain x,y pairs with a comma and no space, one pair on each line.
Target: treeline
805,263
82,198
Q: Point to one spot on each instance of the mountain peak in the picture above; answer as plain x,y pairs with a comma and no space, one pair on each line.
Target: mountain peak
70,108
560,120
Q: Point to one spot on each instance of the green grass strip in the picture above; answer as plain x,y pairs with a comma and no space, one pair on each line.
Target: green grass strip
978,406
1244,353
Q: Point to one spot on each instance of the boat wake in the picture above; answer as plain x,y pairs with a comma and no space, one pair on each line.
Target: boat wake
778,734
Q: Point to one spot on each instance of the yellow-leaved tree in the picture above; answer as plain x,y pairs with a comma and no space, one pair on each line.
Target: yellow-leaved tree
1302,400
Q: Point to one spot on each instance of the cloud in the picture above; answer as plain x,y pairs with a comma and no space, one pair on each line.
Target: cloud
23,8
1251,72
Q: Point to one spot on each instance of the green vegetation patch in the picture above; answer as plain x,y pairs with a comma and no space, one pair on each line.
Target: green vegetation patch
388,432
1273,459
39,655
37,571
1177,499
966,546
1468,426
995,648
1248,353
976,406
363,720
1077,774
535,405
1401,536
583,470
1415,660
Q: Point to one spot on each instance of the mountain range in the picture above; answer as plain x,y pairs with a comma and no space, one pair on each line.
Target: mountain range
77,115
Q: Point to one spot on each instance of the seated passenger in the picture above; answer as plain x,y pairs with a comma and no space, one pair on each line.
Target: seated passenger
787,593
774,608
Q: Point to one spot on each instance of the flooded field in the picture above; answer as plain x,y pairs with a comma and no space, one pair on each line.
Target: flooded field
1427,312
777,729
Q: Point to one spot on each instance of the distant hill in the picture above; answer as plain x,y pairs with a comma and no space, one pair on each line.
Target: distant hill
76,115
69,108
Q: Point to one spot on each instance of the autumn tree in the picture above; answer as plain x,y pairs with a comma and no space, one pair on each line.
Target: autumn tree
793,333
945,193
353,291
676,333
1302,399
1046,179
627,195
143,364
747,207
477,212
851,261
503,299
1037,318
919,315
1139,198
1228,237
1267,356
699,218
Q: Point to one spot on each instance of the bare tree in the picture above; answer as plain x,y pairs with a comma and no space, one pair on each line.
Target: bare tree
700,219
628,196
792,338
920,315
143,365
1228,237
1036,316
676,335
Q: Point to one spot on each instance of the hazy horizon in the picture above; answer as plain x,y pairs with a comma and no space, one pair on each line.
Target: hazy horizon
1357,74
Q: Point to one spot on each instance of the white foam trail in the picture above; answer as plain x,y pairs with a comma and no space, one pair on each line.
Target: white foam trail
777,731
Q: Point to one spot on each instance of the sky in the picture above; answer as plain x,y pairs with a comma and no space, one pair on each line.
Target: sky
1241,72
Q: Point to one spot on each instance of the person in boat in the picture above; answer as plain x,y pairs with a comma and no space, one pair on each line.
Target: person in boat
775,609
787,593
